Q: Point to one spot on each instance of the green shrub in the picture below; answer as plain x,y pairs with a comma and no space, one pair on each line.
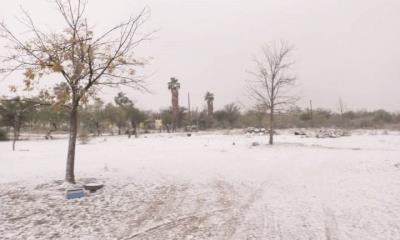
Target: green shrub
3,135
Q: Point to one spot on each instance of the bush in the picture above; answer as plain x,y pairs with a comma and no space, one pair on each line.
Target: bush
84,137
3,135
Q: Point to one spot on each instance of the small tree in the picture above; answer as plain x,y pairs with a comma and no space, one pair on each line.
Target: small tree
125,106
271,82
228,116
84,60
166,117
14,113
92,117
136,117
97,115
115,116
133,114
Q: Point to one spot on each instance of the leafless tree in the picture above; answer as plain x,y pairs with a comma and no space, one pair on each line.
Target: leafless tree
84,60
271,82
341,110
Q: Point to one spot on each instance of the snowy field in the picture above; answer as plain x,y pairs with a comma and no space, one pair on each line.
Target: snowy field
208,186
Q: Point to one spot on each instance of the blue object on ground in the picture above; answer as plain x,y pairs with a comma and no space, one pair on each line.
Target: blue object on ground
75,193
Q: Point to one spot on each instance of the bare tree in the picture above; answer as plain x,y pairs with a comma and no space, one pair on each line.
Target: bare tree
341,110
271,83
84,60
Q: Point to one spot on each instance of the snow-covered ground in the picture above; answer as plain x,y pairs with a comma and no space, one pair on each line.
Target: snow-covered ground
207,186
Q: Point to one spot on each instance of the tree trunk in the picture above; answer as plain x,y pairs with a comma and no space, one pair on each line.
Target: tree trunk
14,140
271,127
134,127
210,111
73,131
98,128
16,129
175,109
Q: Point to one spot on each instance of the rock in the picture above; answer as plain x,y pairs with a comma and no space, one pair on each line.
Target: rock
299,133
93,187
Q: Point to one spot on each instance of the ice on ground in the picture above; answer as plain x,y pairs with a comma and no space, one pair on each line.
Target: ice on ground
165,186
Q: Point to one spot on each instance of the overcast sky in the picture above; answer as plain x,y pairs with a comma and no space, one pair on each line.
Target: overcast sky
343,48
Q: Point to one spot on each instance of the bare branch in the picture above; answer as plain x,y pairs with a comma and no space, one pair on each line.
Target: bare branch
81,59
271,81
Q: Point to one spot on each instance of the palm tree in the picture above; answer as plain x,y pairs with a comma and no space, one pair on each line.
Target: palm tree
209,98
174,86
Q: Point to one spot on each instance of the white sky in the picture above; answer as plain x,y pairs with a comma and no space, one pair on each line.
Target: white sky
344,48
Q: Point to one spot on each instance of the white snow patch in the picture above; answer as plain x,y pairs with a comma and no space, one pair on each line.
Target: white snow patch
164,186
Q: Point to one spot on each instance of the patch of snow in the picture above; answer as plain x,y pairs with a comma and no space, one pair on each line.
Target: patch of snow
170,186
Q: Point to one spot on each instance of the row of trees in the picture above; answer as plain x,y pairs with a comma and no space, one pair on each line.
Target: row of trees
45,118
85,61
123,117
